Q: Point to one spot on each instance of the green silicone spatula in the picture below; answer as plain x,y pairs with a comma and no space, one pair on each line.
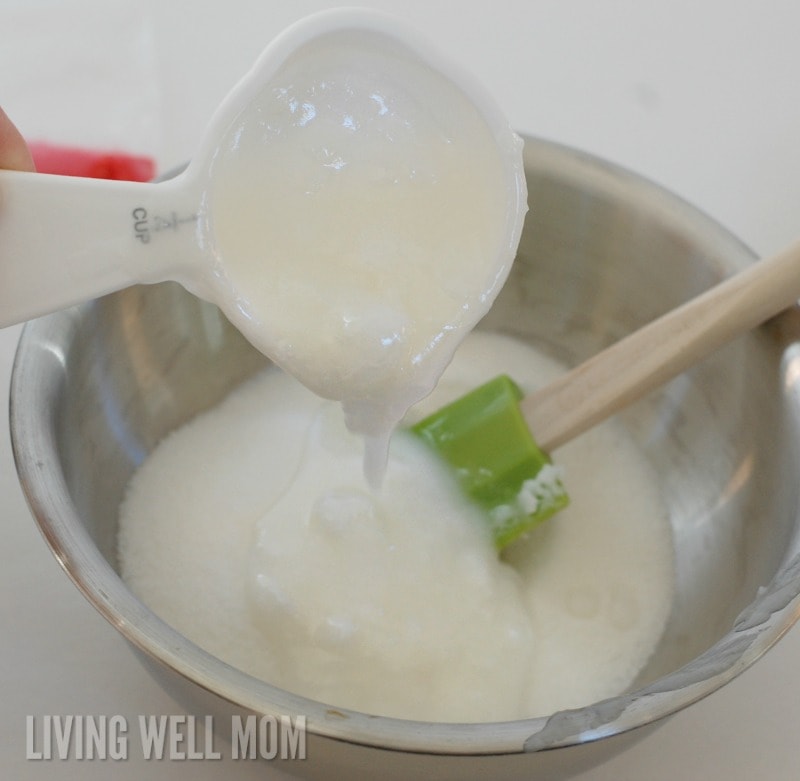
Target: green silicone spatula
485,438
498,441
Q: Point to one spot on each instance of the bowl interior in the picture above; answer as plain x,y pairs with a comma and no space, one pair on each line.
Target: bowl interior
603,252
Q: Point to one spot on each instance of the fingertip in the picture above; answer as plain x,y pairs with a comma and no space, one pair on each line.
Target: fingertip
14,152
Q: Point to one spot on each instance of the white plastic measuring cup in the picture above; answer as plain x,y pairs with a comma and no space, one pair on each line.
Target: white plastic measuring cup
64,240
354,209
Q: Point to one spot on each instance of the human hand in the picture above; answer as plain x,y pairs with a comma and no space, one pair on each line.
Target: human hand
14,152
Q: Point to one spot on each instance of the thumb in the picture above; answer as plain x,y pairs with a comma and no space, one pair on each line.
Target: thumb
14,152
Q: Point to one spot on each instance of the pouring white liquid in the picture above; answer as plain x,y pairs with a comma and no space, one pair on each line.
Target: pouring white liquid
354,209
366,216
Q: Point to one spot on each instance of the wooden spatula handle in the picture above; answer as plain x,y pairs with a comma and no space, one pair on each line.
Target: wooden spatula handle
668,346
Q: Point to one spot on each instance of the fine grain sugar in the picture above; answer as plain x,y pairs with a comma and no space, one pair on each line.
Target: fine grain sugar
253,532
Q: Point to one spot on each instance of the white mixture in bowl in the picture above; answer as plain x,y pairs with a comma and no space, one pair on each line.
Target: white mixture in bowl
252,531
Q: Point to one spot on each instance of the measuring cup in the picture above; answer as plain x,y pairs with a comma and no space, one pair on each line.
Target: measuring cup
354,210
64,240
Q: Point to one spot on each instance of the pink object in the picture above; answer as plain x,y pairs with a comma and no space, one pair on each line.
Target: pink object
74,161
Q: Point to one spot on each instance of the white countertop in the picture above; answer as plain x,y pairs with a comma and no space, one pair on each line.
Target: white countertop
699,95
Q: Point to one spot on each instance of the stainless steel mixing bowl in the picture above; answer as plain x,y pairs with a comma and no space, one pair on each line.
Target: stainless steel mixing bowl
96,387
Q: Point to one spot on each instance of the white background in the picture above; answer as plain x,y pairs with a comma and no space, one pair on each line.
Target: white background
699,95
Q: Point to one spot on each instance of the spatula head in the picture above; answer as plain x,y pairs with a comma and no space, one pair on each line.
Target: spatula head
484,437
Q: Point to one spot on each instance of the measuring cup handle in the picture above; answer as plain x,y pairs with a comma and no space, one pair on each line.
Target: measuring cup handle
64,240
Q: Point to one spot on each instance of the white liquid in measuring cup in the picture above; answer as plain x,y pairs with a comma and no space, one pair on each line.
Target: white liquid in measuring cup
366,216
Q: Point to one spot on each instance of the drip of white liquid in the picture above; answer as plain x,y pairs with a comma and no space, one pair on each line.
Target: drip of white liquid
392,207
